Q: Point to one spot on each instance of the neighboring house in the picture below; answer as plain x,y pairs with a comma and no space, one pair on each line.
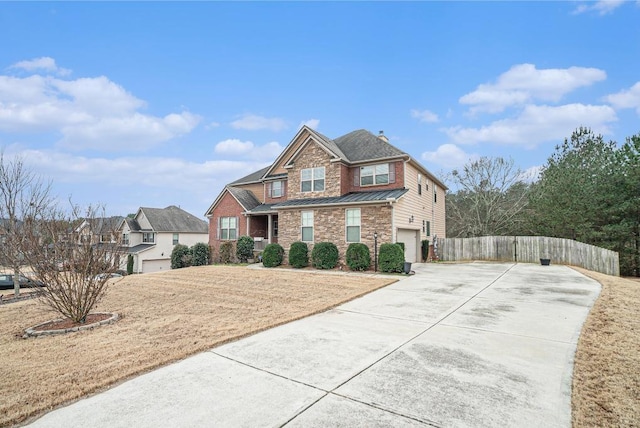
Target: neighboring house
98,230
340,191
153,232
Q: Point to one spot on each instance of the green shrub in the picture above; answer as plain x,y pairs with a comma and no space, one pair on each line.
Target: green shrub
129,264
425,250
272,255
299,255
200,254
244,248
401,246
391,258
226,252
358,256
324,255
180,257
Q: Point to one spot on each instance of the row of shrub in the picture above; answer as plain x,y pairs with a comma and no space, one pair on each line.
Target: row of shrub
325,255
182,256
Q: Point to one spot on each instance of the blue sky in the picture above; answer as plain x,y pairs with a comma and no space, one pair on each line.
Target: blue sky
160,103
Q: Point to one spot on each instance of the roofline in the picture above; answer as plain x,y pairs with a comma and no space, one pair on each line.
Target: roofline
330,152
144,249
259,213
302,128
404,156
426,171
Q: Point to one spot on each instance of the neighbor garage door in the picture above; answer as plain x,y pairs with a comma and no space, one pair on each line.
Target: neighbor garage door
155,265
410,239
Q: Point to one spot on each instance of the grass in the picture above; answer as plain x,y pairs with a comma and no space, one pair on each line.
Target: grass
165,317
606,375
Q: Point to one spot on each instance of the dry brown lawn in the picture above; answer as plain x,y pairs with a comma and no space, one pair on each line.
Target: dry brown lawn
165,317
606,374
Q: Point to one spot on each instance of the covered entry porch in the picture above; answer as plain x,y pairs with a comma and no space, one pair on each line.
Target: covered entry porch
262,224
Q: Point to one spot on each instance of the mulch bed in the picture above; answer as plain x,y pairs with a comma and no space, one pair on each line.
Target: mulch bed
68,323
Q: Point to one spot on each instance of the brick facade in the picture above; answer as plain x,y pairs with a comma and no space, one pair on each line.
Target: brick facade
228,206
348,182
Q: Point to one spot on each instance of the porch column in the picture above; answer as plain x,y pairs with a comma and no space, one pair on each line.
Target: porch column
248,224
269,226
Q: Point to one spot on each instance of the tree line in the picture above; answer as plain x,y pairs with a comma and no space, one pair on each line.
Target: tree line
588,190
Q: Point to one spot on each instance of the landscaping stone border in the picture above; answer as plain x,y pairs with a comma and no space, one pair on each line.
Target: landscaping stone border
32,332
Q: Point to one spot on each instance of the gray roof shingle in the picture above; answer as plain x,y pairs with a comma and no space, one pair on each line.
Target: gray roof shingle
245,197
362,145
174,219
251,178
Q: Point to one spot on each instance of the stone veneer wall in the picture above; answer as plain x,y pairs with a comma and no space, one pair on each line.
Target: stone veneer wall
314,157
330,226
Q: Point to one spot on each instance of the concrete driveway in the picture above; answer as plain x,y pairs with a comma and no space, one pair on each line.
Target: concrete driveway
477,345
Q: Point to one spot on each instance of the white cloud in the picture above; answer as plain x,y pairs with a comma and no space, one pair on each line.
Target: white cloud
136,132
523,83
602,7
254,122
44,63
449,156
91,113
233,146
629,98
212,125
424,116
311,123
536,124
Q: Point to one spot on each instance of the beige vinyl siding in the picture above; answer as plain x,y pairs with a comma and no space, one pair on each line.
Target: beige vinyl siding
256,188
421,207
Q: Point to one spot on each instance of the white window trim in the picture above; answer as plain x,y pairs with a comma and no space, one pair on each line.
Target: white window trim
228,229
174,240
302,226
153,236
313,179
374,175
347,226
281,183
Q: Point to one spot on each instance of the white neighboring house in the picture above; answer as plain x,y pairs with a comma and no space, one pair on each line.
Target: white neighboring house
151,235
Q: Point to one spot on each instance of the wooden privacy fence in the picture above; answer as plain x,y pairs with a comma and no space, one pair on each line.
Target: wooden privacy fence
530,249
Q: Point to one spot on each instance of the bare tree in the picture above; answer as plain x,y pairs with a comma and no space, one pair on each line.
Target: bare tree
23,195
489,200
74,254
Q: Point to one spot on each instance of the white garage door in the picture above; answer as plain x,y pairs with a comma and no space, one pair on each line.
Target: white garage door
155,265
410,239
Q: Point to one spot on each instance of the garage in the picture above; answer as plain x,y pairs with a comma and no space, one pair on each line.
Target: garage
155,265
411,239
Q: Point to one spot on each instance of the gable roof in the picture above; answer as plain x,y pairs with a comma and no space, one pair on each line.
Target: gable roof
244,197
254,177
174,219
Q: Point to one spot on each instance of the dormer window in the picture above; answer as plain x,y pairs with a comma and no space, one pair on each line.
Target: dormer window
312,179
374,174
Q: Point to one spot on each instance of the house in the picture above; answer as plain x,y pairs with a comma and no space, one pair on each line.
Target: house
342,191
98,230
153,232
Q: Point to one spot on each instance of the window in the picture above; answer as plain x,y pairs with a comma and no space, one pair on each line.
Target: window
353,225
277,189
428,232
435,193
148,237
312,179
275,228
228,228
374,174
125,239
176,238
419,184
307,226
105,238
